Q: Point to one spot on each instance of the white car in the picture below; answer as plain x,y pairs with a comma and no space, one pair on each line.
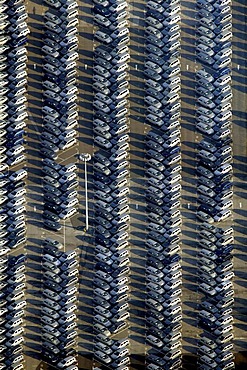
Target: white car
4,250
152,5
66,362
223,169
102,36
223,215
102,357
53,3
156,342
67,213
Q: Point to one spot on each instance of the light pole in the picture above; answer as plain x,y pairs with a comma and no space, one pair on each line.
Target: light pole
85,157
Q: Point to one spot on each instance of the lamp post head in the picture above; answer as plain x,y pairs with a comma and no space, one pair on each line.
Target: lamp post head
85,157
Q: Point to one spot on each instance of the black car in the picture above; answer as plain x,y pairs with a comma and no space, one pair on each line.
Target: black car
52,103
48,145
108,216
155,155
98,9
203,199
157,360
157,237
209,306
16,242
53,36
156,15
173,150
52,164
223,258
15,260
103,267
225,250
53,128
69,352
207,325
15,134
51,78
99,301
154,262
224,186
54,61
101,177
19,42
52,225
203,171
13,142
69,106
10,352
175,258
155,209
156,331
153,199
48,153
223,178
51,216
222,72
52,190
51,285
98,157
70,185
207,145
206,181
53,207
208,164
154,49
101,239
69,281
207,209
155,314
16,234
51,198
153,253
49,357
52,250
223,142
16,184
53,44
103,116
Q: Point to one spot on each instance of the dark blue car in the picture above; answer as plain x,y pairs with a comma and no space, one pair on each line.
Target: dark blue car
222,72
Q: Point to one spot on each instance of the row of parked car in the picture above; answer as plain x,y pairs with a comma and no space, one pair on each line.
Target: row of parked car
13,303
111,172
13,114
162,99
214,169
12,212
59,305
215,273
114,350
60,194
59,111
13,58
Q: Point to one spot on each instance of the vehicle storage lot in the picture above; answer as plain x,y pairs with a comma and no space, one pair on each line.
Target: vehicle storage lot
137,205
